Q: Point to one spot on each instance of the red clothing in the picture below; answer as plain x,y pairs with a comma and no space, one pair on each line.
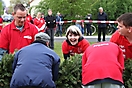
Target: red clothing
1,23
79,48
123,43
102,60
12,38
39,22
28,18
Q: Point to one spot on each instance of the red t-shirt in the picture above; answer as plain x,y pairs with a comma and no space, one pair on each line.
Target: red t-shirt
28,18
79,48
12,38
102,60
1,23
39,22
123,43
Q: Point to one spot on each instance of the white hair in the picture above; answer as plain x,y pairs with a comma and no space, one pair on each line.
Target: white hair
74,29
101,8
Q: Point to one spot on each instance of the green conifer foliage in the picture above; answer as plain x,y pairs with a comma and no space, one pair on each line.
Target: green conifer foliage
69,72
6,70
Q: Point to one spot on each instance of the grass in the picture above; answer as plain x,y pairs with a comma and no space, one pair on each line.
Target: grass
58,49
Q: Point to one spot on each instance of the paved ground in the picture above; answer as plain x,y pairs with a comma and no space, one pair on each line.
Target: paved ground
89,38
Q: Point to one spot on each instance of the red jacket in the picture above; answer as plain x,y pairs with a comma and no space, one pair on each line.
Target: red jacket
12,38
123,43
1,23
103,60
39,23
29,18
79,48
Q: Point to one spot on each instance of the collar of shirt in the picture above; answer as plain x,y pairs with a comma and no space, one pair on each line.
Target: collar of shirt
26,25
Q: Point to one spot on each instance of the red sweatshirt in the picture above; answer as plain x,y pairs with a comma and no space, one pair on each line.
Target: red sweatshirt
123,43
102,60
79,48
12,38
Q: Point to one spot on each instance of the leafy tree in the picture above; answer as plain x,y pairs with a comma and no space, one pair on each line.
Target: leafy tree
72,9
14,2
78,9
1,8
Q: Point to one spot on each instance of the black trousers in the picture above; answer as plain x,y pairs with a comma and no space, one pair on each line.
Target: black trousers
101,30
89,31
50,32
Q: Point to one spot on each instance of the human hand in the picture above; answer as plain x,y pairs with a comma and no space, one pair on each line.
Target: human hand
72,54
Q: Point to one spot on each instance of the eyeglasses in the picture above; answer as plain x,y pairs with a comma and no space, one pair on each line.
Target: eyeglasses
21,17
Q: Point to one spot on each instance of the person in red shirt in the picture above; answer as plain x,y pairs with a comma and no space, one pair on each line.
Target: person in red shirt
102,66
123,36
74,43
18,33
39,22
1,23
29,17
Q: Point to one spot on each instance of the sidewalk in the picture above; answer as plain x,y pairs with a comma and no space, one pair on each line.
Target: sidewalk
89,38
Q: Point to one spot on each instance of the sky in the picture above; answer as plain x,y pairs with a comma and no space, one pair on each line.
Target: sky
7,2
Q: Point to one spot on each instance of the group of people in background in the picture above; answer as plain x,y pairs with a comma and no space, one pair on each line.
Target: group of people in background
102,27
36,65
42,23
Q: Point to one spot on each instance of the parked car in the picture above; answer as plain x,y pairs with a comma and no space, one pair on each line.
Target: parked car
7,18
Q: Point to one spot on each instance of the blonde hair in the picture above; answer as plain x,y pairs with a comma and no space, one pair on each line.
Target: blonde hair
74,30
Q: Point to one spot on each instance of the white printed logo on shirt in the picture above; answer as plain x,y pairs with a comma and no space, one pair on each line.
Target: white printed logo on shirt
123,50
28,37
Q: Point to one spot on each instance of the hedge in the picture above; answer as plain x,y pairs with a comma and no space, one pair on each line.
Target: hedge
69,73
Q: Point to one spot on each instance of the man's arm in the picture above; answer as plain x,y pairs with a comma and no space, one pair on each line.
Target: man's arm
15,61
55,69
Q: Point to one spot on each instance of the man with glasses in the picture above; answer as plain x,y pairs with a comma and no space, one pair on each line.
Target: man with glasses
18,33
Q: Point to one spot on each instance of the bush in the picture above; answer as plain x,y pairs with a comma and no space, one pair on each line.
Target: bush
69,73
6,70
127,75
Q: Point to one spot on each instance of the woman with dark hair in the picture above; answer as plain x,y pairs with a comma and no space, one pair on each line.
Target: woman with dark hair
74,43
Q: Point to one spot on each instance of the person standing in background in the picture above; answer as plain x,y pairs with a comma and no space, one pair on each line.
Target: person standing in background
102,16
88,25
50,27
80,25
18,33
43,16
39,22
28,17
59,18
1,23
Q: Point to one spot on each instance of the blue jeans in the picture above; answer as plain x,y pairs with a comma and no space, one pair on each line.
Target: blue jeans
59,30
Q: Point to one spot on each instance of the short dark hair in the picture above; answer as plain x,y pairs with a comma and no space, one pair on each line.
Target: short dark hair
126,18
19,6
